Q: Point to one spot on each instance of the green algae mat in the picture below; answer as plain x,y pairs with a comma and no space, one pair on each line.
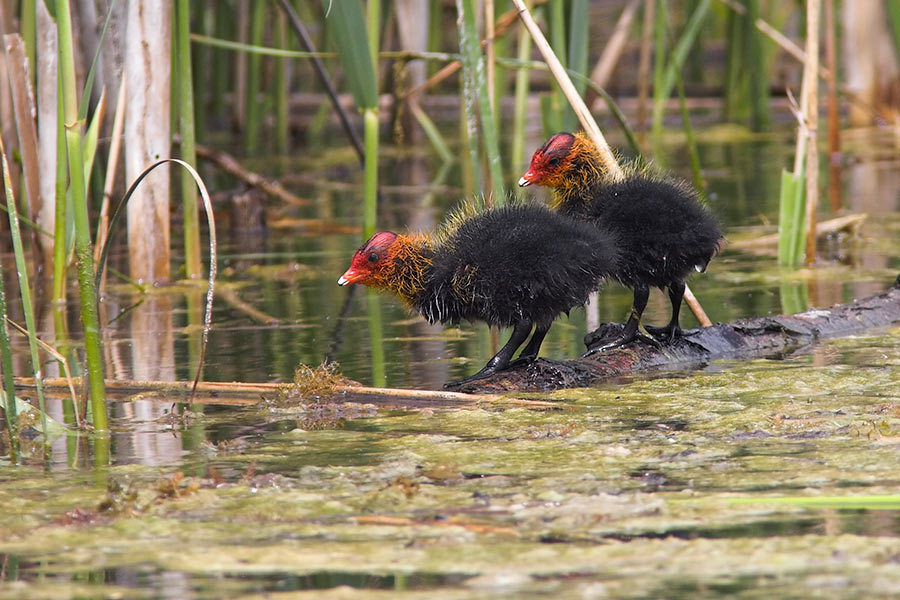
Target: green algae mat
760,479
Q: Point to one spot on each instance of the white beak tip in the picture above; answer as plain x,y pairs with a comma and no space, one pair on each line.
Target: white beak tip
342,281
523,182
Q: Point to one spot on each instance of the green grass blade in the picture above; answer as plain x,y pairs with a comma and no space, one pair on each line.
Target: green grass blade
24,288
791,221
432,133
886,502
346,22
578,53
676,62
689,134
6,365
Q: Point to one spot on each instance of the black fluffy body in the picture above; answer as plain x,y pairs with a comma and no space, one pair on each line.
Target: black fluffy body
663,231
515,264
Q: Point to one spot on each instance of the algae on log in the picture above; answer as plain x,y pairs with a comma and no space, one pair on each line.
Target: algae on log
745,338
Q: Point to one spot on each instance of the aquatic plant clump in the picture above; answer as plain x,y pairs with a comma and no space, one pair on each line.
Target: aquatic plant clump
311,384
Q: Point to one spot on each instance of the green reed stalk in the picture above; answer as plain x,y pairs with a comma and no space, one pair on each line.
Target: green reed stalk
689,134
89,313
192,265
370,178
474,72
735,99
578,53
60,264
347,24
756,59
24,290
520,104
254,79
791,218
373,32
376,336
679,55
6,365
281,88
554,110
431,132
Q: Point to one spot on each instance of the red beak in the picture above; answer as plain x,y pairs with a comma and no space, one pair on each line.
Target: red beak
349,276
526,179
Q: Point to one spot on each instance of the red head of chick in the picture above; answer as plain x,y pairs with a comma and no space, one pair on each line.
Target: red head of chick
568,163
517,266
664,231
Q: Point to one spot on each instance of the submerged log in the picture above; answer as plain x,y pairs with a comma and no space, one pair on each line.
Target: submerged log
746,338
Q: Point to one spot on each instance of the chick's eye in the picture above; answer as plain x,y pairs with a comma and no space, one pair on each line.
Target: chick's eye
373,257
553,162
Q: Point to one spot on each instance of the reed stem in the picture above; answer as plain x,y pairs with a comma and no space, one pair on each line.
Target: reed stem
254,79
370,179
474,75
812,118
192,265
90,319
24,290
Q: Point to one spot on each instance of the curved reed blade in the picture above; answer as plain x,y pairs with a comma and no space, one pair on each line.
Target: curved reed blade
213,245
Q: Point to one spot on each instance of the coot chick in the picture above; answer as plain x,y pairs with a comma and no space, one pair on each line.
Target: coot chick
516,266
664,231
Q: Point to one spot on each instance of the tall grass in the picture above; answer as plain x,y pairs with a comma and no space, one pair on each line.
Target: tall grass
24,288
90,318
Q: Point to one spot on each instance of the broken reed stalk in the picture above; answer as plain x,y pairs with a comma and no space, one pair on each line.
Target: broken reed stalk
587,121
24,111
249,393
812,117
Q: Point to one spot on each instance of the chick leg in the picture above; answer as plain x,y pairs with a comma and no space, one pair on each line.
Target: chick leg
500,360
530,353
633,329
673,329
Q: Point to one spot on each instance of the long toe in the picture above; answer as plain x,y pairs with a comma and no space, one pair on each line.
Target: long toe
664,334
522,361
609,345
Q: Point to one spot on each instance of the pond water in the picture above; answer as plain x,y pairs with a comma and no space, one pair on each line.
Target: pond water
762,478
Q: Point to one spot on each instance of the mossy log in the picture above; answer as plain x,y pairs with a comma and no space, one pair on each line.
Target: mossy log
745,338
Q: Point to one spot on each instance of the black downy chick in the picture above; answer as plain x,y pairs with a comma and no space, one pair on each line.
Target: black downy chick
663,230
517,266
